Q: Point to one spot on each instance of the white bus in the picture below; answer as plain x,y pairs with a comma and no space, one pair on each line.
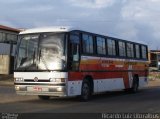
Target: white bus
63,61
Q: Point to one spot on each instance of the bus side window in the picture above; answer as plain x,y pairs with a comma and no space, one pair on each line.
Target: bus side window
74,52
137,49
144,52
122,49
101,45
87,41
111,45
130,50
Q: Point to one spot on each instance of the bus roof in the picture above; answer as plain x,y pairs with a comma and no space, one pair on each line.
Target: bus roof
49,29
62,29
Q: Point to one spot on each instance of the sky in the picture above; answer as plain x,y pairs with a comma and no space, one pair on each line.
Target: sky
133,20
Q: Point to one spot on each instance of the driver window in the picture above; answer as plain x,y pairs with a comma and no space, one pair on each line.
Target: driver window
74,51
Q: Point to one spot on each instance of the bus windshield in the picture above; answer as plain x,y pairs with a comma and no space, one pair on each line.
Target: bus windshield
41,52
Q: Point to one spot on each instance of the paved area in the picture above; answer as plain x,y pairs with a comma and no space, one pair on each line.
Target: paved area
145,101
6,80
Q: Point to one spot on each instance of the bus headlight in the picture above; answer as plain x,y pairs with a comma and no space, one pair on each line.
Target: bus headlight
17,88
18,79
60,89
52,80
58,80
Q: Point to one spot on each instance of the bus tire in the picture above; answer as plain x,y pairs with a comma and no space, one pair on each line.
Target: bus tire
43,97
85,91
135,84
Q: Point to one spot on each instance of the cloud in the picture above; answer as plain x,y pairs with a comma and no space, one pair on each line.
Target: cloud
135,20
7,23
92,3
126,30
141,11
144,16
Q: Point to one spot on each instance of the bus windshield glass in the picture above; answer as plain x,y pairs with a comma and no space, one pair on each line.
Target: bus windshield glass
41,52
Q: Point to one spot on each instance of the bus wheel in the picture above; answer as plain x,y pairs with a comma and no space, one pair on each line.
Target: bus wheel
85,91
43,97
135,85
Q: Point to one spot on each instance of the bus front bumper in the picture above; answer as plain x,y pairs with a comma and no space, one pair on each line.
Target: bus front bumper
58,91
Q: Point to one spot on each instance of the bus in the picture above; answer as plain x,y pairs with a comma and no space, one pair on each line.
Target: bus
67,62
154,58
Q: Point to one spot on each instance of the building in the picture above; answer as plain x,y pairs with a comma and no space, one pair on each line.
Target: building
8,42
154,59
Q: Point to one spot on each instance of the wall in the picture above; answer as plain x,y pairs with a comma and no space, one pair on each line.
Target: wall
7,51
4,64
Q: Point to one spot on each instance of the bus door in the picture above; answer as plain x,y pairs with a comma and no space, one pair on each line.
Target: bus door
74,52
130,77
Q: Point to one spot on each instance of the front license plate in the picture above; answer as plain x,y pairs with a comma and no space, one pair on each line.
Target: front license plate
37,89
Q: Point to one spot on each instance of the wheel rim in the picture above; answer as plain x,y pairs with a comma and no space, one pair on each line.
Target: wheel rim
85,91
135,87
